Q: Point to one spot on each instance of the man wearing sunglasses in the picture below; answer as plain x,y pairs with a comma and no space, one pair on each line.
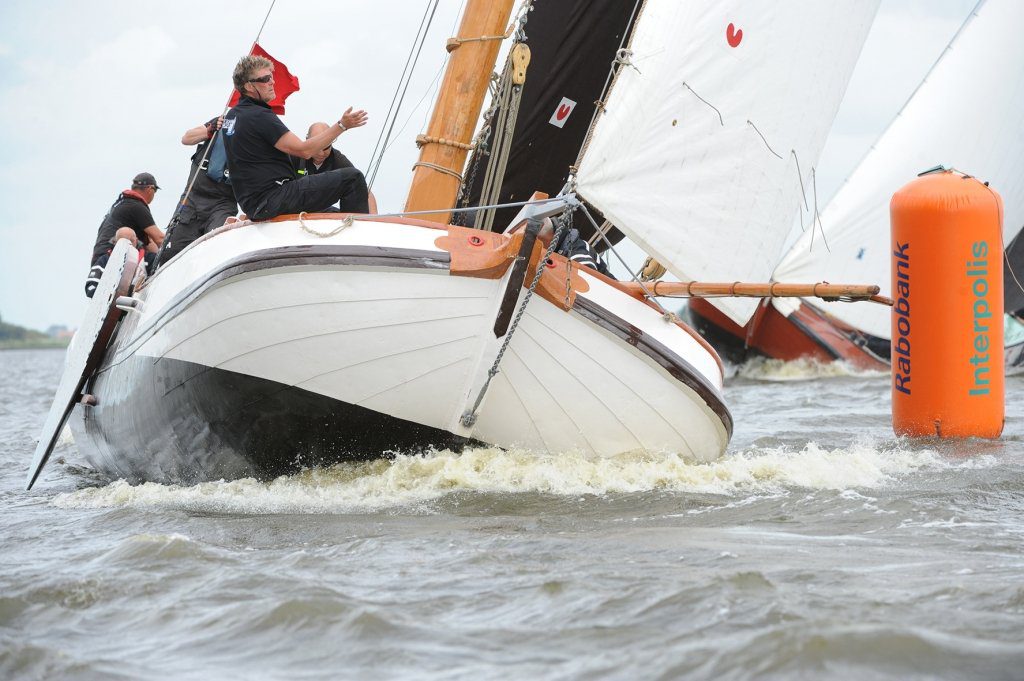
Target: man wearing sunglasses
258,145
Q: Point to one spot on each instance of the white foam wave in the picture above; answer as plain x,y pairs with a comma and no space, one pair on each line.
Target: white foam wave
413,481
65,438
804,369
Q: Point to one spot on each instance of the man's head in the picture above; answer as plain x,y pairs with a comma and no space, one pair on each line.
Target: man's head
320,155
254,77
145,184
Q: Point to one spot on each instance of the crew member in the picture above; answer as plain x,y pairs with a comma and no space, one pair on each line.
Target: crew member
130,210
258,145
210,202
324,160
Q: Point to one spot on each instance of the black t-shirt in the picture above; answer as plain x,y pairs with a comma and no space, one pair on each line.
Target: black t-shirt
334,161
251,130
126,211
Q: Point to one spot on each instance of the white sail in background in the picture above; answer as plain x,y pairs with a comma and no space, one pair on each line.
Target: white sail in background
696,158
966,114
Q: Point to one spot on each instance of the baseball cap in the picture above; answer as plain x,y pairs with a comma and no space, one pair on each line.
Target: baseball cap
145,180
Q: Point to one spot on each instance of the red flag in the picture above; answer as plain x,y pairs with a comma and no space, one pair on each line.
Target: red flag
284,82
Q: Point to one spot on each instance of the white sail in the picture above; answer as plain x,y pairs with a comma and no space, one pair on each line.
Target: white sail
966,114
711,132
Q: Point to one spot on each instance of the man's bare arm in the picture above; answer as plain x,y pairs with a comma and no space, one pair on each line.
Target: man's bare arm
156,237
290,143
200,133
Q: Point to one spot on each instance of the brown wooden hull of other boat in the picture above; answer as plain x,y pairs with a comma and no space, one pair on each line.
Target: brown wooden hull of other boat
805,334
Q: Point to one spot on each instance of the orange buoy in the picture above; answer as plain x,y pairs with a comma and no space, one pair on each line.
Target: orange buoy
947,317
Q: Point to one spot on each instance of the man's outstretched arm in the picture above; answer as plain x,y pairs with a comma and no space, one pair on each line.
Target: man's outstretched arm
290,143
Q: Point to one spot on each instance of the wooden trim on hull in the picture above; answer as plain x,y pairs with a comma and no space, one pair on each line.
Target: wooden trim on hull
679,368
172,421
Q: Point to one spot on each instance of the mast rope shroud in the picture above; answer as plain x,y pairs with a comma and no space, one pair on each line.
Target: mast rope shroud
201,166
422,140
438,168
510,94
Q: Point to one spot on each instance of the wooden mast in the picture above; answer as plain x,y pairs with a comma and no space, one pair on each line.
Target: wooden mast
435,182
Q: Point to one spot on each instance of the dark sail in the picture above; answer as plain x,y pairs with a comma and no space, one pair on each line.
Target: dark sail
1013,296
572,45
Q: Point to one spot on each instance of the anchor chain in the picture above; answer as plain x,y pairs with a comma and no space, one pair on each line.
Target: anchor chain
470,416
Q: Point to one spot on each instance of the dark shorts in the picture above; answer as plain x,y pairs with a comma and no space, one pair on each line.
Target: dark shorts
316,194
201,216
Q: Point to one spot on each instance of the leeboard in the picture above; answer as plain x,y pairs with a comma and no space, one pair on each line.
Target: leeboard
90,344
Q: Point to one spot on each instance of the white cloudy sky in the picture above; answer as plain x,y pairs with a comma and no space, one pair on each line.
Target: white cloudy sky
94,92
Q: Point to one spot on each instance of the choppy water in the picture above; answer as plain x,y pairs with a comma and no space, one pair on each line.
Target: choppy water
820,547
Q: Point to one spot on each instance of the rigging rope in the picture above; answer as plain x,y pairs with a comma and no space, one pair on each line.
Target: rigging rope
206,151
506,95
609,83
665,313
417,48
510,96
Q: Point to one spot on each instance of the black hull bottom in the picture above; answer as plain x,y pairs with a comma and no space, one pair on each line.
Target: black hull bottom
170,421
728,346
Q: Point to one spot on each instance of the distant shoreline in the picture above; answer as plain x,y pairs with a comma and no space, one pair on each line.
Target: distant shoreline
35,344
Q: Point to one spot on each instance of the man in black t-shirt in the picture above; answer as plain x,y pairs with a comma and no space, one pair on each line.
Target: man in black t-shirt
322,160
210,202
258,145
325,160
129,211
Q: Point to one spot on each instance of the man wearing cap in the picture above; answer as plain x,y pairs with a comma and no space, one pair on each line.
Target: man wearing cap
130,211
258,145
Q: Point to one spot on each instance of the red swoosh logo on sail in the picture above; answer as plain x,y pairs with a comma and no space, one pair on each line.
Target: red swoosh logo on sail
733,36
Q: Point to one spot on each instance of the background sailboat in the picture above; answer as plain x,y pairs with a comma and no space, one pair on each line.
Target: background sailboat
965,114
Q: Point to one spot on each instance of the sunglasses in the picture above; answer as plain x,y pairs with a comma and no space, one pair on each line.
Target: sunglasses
261,79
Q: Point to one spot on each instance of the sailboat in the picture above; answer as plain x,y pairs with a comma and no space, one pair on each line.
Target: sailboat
965,113
265,347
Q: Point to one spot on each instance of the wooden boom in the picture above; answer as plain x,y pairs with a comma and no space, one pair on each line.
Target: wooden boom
697,289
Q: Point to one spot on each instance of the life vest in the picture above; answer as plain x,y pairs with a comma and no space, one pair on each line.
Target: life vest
217,160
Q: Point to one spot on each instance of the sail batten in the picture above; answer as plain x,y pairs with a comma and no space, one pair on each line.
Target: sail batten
711,131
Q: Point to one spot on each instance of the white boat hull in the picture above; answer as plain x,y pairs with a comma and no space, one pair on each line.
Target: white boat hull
265,348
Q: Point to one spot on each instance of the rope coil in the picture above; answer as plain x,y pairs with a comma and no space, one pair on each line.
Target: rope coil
345,224
440,169
423,140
